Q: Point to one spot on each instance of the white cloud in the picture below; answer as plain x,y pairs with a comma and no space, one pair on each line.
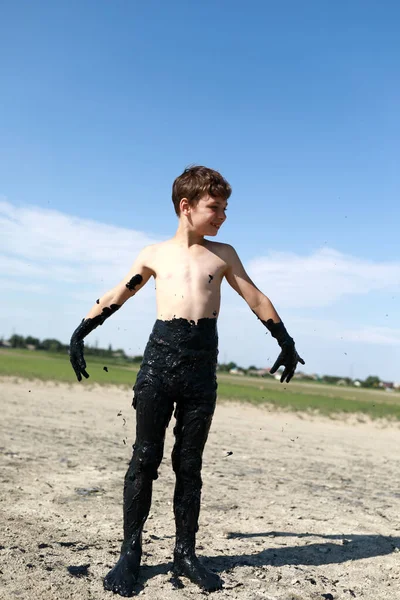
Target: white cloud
47,244
373,335
333,330
27,268
320,278
19,286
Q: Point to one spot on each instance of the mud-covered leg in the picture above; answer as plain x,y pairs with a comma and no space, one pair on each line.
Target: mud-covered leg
137,501
191,433
152,416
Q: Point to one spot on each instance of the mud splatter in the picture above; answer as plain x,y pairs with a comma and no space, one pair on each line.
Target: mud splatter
79,571
132,283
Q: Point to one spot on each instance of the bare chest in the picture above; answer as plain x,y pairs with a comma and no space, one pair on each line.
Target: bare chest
196,268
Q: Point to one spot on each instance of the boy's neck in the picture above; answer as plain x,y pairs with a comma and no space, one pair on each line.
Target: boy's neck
186,237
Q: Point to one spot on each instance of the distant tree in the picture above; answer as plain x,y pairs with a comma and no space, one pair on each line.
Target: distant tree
121,352
227,366
51,345
17,341
32,341
371,382
330,378
252,368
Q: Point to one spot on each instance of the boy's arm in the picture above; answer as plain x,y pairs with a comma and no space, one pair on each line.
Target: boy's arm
263,308
107,305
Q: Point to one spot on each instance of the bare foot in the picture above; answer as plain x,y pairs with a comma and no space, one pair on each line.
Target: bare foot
123,577
189,566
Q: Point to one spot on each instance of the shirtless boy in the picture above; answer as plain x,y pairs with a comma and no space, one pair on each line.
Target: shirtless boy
179,365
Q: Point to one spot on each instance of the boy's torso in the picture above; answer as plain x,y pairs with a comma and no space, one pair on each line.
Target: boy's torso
188,280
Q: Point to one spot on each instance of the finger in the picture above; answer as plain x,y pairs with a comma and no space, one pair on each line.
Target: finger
285,372
289,377
78,376
85,374
301,361
75,368
276,366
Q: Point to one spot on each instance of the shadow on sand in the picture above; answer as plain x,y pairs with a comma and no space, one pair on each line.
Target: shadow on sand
336,549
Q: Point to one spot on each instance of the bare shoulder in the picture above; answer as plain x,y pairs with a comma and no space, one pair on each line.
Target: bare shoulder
147,257
152,254
221,249
225,251
153,250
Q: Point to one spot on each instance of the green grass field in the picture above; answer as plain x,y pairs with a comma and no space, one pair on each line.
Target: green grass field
56,367
297,396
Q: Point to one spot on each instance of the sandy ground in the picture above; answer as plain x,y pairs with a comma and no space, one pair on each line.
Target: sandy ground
294,507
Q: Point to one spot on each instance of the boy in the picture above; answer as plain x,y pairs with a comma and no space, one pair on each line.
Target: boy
179,365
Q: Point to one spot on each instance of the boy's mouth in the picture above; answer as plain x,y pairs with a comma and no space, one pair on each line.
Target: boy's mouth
215,225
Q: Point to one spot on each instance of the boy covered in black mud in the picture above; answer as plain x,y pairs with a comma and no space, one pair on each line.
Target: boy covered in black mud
179,365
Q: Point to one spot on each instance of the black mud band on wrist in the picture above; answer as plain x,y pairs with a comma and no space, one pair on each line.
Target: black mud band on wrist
277,330
87,325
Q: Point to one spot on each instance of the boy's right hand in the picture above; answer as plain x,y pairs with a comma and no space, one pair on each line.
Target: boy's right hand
76,344
76,357
288,358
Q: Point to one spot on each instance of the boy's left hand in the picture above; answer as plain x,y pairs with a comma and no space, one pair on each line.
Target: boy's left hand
288,358
77,358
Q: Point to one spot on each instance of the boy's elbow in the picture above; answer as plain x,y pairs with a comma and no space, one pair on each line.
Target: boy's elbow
256,300
121,294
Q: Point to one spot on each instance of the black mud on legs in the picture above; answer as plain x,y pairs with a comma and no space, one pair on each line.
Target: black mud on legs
191,434
179,367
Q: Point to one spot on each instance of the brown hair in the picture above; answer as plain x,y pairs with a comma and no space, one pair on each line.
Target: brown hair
196,182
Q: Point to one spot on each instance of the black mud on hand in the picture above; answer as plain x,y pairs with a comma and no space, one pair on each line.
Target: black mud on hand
76,347
288,357
77,359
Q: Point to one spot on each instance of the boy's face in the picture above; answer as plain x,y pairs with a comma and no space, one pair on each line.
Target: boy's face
208,215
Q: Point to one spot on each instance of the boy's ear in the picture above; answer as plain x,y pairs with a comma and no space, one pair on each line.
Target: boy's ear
184,206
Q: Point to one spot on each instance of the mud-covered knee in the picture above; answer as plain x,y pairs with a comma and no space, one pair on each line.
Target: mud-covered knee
189,466
146,459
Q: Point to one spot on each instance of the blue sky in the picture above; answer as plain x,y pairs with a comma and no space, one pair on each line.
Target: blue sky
104,103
